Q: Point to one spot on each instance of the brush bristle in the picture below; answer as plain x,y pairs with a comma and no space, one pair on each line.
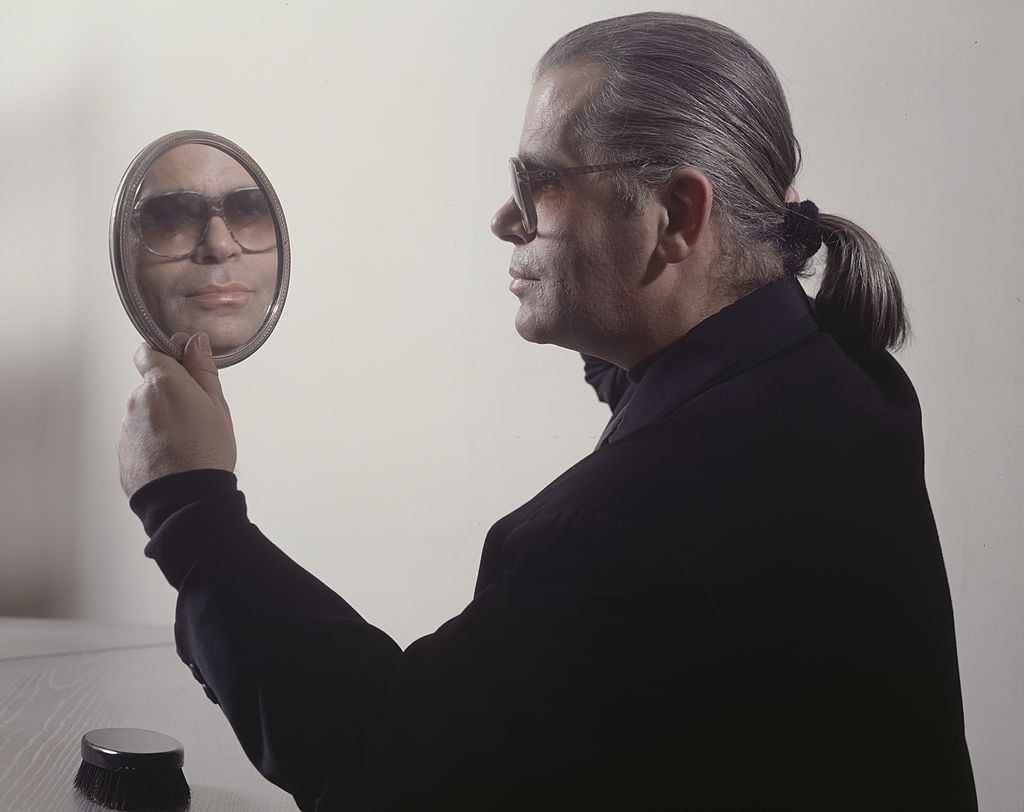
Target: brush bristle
128,789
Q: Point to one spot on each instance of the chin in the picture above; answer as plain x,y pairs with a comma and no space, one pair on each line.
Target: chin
538,332
528,328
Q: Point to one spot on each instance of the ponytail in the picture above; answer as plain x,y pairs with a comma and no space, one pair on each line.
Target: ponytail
859,300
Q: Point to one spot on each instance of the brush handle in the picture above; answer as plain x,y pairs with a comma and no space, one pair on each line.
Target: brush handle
131,748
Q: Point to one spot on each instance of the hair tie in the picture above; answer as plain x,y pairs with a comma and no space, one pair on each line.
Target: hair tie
802,228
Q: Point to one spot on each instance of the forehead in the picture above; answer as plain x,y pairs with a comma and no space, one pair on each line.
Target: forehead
554,101
195,168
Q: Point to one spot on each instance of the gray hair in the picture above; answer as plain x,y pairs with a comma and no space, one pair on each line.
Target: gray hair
684,91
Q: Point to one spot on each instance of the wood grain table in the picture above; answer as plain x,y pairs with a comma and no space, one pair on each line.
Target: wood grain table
61,678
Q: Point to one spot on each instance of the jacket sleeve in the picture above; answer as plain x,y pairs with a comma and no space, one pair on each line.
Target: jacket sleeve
333,711
609,381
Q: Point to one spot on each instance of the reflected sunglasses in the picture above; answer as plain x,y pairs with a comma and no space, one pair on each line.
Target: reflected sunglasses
174,224
523,178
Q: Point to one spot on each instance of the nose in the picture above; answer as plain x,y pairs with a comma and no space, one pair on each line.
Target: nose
507,224
218,245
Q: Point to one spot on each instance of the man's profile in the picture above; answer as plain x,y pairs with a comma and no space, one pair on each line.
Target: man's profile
737,601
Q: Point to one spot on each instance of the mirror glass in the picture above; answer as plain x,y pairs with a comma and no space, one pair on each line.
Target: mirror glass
199,244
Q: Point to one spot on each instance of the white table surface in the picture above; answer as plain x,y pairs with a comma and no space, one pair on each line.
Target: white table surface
61,678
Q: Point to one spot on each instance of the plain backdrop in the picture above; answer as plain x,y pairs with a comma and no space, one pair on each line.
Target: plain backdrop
395,413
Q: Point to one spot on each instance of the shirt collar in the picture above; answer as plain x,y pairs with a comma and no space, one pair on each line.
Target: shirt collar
736,337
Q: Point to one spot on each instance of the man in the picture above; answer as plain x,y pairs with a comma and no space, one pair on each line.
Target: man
737,601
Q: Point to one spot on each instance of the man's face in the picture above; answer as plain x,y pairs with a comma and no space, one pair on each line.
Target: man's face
173,289
588,255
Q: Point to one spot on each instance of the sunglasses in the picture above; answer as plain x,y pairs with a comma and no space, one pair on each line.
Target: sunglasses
523,179
174,224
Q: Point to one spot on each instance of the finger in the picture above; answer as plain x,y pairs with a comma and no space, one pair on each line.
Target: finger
179,340
201,366
151,363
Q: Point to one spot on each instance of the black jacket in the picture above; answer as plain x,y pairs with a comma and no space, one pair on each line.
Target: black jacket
737,602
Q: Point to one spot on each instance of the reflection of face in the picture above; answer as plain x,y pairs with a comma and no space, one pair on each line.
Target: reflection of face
182,294
585,263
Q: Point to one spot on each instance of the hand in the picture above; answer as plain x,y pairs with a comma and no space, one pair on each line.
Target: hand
177,418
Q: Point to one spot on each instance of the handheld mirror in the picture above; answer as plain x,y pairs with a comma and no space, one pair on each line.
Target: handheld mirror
198,243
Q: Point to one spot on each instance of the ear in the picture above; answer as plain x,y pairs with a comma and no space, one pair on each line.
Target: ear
686,209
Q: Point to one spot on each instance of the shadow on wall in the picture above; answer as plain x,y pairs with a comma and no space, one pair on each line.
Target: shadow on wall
37,485
44,364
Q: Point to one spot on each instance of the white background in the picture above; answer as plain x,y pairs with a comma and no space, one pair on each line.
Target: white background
395,413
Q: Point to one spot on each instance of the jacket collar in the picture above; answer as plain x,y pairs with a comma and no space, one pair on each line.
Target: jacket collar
735,338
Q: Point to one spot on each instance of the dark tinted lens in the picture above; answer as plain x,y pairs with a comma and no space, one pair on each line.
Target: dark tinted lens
173,224
521,195
248,216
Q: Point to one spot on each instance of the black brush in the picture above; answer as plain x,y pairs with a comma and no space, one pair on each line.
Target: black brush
128,768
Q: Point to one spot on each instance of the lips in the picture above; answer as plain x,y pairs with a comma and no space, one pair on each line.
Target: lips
213,297
516,274
234,287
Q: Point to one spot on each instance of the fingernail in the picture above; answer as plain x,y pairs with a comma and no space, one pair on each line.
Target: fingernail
204,344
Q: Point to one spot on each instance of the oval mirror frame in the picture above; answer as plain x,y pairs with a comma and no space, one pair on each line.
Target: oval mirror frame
120,225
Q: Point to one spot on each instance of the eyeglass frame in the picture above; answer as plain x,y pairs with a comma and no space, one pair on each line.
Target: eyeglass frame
521,176
216,209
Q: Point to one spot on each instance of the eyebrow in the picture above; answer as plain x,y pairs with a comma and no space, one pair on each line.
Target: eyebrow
534,160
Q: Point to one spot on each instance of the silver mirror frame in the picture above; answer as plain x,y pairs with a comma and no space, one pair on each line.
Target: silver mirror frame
120,222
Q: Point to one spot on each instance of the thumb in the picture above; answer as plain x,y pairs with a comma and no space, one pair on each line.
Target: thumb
198,360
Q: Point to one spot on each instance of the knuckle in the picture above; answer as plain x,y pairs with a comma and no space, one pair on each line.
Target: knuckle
138,397
146,394
154,385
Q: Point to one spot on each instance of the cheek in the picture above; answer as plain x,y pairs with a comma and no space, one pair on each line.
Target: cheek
597,252
592,251
170,280
163,288
612,266
623,242
261,269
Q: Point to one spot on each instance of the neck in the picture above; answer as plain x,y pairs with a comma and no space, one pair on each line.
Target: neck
662,319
